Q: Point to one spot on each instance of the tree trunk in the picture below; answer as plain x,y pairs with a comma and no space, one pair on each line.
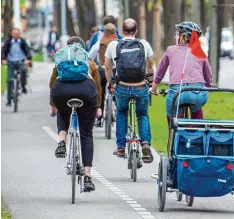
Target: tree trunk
7,17
203,15
70,26
195,9
57,15
86,17
149,24
226,11
171,16
183,10
142,22
104,8
220,23
134,11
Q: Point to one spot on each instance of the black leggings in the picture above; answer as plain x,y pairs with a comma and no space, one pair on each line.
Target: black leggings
85,91
103,85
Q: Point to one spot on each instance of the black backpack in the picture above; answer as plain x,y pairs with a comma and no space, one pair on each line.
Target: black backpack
130,61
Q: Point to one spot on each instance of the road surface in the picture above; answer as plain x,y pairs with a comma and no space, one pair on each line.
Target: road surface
35,185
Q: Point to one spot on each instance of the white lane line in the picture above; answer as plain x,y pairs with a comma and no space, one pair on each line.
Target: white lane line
112,187
51,133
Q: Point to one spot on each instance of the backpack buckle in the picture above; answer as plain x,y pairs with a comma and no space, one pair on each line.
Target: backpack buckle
75,63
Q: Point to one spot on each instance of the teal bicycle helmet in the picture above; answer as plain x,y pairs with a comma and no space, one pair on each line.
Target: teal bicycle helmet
187,27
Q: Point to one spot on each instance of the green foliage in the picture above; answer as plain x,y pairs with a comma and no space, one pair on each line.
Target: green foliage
38,58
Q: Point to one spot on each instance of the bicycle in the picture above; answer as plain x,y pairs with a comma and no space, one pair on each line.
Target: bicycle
74,164
109,113
133,142
16,85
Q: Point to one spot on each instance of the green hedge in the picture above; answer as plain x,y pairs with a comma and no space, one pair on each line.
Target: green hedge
3,78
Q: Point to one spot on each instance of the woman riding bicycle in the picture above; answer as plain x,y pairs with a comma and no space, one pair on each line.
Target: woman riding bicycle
87,90
196,72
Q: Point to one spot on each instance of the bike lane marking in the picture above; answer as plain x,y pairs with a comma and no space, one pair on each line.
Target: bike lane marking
142,212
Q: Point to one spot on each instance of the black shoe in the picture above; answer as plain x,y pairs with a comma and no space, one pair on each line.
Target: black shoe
98,123
8,103
88,184
60,150
24,90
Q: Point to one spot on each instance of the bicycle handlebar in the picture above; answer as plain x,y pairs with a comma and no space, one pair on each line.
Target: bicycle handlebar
163,92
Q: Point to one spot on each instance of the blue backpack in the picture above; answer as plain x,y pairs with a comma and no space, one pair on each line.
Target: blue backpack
72,63
130,61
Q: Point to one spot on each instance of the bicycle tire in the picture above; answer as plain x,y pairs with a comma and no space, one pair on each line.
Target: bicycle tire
162,183
134,166
80,164
109,117
74,168
15,95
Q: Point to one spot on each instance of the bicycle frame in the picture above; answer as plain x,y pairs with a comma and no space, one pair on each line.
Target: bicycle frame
132,138
73,130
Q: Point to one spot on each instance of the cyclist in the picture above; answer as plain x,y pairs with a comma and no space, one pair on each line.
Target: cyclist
100,47
87,43
98,35
197,72
52,40
15,50
89,91
131,56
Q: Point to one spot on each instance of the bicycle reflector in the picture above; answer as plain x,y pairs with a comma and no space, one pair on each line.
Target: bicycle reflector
229,166
185,164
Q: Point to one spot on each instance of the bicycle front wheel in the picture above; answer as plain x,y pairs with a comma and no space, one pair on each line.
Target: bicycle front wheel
109,117
73,175
134,166
15,95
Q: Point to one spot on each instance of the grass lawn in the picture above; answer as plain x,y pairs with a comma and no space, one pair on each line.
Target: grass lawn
3,78
38,58
4,213
219,106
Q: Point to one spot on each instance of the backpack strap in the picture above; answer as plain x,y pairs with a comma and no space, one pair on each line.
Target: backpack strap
69,53
118,46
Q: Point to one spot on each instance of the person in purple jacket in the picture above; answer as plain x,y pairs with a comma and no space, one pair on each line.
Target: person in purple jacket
196,73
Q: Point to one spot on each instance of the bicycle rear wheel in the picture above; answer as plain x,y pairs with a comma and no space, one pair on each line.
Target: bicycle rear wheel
74,166
134,166
109,117
162,183
80,165
15,95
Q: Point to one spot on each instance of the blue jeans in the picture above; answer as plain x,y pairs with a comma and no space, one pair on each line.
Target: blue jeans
10,76
122,95
197,99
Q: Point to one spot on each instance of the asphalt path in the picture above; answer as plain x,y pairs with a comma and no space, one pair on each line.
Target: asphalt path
35,184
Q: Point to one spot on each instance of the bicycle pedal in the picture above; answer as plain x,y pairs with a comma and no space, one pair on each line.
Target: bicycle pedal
60,156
